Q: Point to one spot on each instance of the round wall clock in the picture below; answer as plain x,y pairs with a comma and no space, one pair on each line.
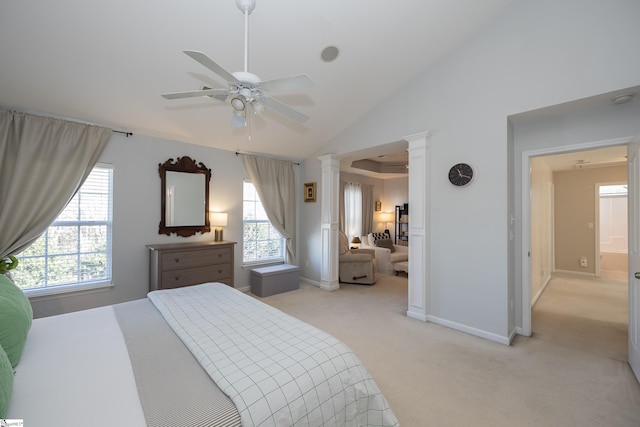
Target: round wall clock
460,174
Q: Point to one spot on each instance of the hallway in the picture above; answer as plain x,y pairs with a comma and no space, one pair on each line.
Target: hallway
584,313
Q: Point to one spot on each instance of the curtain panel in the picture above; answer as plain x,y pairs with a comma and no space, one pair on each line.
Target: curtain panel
274,181
367,208
43,163
356,216
352,210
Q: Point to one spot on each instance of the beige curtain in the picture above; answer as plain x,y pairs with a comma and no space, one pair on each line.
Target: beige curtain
43,162
275,183
367,208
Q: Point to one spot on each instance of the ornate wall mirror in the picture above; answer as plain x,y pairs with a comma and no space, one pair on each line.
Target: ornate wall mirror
185,197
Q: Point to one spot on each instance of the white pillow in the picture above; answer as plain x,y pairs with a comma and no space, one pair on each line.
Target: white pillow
371,240
343,244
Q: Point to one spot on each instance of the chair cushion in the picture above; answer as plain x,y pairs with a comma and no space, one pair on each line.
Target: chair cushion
15,319
385,243
398,256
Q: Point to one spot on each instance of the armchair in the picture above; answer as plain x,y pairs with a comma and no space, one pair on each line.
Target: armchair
355,265
385,258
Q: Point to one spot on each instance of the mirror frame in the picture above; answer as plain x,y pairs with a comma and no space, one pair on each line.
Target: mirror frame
187,165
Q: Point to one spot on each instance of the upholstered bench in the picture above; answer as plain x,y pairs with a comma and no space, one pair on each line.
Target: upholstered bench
274,279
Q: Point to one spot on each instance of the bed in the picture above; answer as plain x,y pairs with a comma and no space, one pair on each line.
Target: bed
204,355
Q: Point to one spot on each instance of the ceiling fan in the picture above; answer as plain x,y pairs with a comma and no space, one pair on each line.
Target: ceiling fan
246,91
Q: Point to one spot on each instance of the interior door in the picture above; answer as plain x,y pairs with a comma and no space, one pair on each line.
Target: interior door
633,155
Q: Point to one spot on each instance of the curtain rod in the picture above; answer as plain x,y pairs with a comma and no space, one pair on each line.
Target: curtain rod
242,154
127,134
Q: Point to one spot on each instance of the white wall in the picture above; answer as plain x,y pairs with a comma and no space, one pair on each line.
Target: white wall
310,243
136,215
534,55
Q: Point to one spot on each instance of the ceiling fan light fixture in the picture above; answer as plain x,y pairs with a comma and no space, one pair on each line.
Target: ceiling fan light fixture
238,103
258,108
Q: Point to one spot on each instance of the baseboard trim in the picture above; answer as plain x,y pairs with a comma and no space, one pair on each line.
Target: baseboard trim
576,273
537,296
469,330
418,316
310,282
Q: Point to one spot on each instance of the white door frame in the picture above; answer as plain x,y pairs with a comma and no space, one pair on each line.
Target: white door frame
525,249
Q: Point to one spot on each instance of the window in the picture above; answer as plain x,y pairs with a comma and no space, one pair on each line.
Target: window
261,242
75,251
352,210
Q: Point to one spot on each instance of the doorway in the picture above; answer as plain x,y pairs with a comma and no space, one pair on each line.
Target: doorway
569,266
613,231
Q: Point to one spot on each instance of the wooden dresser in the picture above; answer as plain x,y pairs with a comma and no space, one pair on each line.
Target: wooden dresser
174,265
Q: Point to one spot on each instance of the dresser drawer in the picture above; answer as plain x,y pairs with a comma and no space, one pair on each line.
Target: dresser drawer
188,259
197,275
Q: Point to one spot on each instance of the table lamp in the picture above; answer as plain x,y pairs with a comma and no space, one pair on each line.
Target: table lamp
218,220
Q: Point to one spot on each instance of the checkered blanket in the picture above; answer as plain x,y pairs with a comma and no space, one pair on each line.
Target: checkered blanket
277,370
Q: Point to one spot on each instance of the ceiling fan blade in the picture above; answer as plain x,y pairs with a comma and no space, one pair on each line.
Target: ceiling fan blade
299,81
283,109
194,93
208,62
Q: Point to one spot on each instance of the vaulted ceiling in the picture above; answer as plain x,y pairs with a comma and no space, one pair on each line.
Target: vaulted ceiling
108,62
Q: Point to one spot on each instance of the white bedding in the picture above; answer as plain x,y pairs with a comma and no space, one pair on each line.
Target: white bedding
278,370
76,352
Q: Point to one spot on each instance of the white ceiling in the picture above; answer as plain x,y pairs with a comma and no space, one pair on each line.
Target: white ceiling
107,62
587,159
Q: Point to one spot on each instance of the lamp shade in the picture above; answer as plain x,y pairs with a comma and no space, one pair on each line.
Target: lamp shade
356,239
219,219
385,217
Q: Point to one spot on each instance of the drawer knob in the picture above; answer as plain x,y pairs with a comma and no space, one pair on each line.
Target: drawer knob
176,278
177,260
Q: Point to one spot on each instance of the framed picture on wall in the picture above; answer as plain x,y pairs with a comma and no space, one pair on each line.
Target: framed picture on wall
310,192
378,206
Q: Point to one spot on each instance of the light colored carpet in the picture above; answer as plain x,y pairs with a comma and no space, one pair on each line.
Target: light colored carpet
584,313
435,376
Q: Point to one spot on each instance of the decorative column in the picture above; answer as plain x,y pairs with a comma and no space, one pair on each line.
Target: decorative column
419,225
329,199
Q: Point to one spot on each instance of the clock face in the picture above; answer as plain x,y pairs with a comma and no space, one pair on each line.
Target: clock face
460,174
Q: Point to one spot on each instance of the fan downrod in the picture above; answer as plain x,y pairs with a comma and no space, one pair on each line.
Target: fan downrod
246,5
